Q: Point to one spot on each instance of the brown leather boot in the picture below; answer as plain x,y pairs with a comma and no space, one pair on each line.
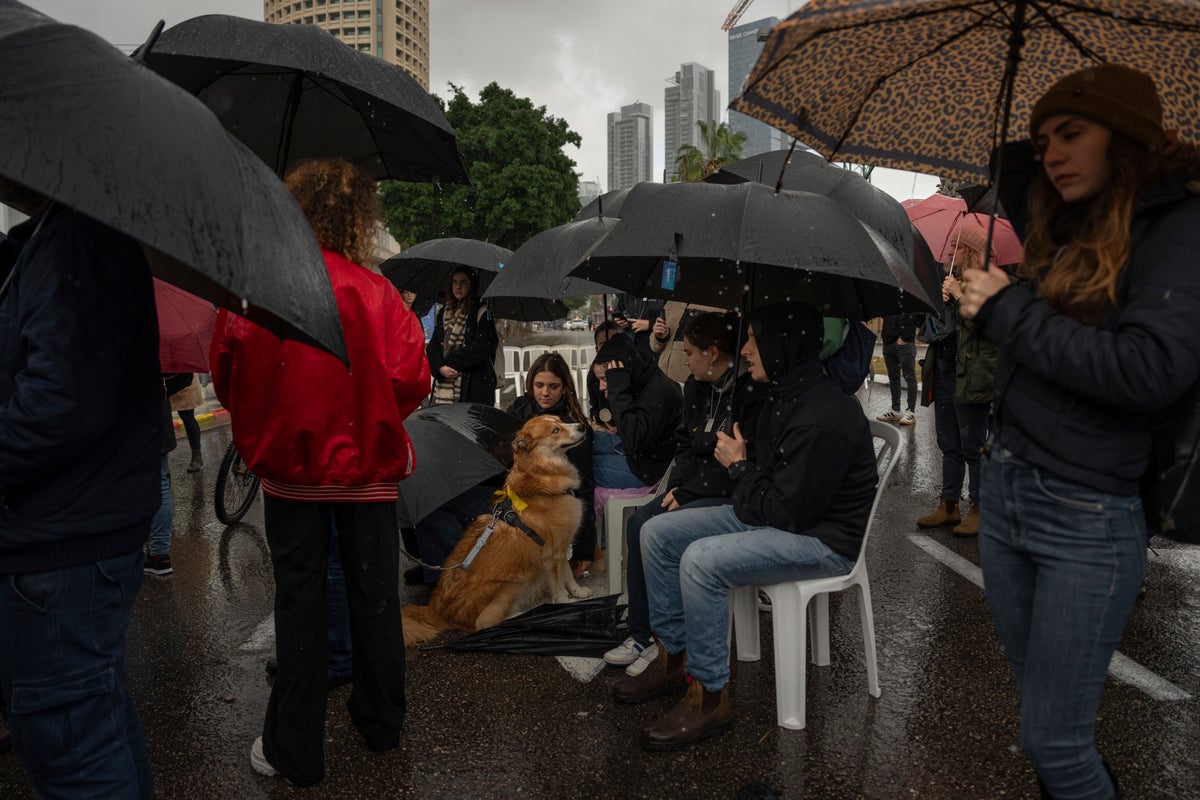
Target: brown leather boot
946,513
970,524
699,715
666,673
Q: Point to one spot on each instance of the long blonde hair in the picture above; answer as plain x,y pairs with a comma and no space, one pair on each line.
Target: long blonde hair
341,205
1077,253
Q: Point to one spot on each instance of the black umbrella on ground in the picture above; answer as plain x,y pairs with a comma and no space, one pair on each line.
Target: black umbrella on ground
730,246
293,92
809,172
586,628
426,268
457,446
96,131
538,268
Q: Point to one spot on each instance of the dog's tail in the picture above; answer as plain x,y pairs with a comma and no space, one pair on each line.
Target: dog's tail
421,624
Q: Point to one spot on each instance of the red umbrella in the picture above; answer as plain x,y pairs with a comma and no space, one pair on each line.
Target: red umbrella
185,329
938,218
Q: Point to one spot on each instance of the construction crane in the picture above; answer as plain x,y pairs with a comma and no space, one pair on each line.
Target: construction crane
735,14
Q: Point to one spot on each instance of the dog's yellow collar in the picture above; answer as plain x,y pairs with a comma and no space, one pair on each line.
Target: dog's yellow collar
507,492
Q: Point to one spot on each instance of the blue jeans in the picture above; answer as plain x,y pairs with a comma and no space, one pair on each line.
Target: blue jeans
341,649
1062,564
610,468
694,556
62,670
901,358
438,533
164,518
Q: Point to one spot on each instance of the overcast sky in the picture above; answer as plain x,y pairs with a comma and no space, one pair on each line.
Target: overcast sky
579,58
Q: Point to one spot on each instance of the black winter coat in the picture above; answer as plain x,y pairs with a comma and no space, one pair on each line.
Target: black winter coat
526,408
475,359
1074,399
646,406
709,407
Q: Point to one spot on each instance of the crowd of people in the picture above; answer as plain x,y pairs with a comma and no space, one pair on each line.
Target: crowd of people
762,467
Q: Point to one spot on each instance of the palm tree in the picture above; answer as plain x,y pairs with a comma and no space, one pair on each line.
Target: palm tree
719,146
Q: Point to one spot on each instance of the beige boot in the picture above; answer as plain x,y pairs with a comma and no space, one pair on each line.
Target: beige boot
946,513
970,525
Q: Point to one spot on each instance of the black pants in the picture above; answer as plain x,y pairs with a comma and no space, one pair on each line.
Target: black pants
298,535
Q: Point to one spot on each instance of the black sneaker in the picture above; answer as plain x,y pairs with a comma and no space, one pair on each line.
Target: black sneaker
158,565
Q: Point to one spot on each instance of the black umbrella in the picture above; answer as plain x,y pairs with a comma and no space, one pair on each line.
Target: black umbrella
98,132
809,172
748,244
538,268
457,446
587,628
606,205
293,92
426,268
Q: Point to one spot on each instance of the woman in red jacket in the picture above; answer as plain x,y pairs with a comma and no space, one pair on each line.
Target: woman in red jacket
329,443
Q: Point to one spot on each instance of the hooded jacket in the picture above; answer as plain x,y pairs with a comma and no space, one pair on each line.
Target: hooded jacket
709,407
811,460
81,396
646,407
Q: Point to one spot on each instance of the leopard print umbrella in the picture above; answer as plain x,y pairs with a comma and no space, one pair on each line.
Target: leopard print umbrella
917,84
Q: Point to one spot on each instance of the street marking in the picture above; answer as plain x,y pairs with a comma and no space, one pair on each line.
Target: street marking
263,636
1122,667
580,668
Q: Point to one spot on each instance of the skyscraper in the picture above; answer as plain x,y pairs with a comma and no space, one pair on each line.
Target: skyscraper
395,30
744,48
630,145
692,97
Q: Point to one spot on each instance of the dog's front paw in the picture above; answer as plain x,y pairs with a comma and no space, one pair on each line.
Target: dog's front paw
581,593
562,597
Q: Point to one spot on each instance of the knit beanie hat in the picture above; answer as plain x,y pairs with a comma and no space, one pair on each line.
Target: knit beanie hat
1116,96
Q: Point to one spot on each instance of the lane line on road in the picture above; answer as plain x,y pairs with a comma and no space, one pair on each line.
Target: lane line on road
580,668
1122,667
263,636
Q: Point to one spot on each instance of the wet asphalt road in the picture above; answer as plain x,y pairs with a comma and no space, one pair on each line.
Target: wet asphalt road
503,726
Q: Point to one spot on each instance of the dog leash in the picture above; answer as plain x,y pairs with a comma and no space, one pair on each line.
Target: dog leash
505,508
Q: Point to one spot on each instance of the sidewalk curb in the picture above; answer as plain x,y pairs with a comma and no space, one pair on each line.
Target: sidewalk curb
216,418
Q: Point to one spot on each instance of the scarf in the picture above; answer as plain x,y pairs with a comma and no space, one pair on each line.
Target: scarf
455,326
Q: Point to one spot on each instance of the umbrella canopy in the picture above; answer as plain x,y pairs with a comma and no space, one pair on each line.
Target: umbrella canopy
294,92
426,268
185,329
539,268
587,628
748,244
939,218
931,79
606,205
808,172
98,132
457,446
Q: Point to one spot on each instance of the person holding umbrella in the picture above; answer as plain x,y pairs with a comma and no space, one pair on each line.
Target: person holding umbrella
1098,338
328,440
462,349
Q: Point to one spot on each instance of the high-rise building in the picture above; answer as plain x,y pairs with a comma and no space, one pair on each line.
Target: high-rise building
744,49
692,97
395,30
630,145
588,191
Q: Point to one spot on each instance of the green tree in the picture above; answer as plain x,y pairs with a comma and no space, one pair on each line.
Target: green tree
719,146
523,182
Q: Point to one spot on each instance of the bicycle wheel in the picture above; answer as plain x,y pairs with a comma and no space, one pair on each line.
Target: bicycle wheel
236,488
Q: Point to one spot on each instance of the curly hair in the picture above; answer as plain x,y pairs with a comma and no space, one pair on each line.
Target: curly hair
1079,276
341,204
556,365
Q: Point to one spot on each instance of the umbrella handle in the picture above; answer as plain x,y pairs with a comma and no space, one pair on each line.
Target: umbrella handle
1016,40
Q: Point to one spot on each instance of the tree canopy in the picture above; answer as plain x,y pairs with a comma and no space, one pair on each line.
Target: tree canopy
719,146
523,182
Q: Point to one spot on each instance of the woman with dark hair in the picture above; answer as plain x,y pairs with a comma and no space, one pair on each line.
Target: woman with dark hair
462,350
1098,339
713,398
329,443
550,390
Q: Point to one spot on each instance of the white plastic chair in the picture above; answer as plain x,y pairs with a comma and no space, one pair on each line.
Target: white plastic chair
532,353
512,360
614,529
794,618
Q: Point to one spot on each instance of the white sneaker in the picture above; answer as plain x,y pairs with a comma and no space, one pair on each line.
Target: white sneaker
259,761
648,654
624,654
889,416
909,418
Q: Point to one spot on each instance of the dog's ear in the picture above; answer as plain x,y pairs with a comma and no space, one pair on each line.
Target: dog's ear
522,443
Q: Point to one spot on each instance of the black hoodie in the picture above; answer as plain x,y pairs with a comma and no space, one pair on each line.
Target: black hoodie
646,406
812,457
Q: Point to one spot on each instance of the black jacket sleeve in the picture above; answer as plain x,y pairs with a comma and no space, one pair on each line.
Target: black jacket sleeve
479,344
643,422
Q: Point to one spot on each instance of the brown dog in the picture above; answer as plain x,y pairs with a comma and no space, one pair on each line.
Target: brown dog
512,569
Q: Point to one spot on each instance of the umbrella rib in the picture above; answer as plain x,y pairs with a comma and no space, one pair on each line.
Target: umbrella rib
1054,23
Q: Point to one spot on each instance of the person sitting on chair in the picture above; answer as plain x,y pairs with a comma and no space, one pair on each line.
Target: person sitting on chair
802,495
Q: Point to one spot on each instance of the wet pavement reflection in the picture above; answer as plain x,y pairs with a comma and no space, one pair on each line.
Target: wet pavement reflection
502,726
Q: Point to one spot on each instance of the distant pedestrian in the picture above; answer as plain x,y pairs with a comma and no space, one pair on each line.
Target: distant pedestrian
81,404
900,357
328,441
462,350
158,549
184,402
1102,337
